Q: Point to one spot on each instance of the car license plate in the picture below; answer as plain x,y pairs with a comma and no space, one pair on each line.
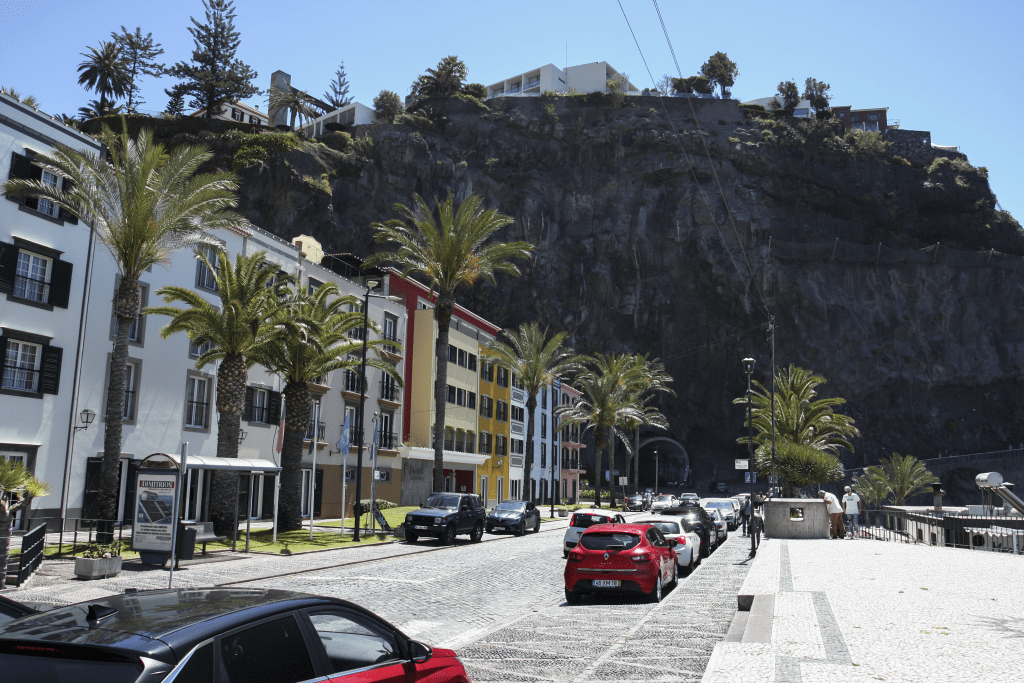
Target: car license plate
421,527
499,528
606,583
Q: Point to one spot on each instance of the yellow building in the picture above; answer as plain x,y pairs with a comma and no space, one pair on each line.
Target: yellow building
496,476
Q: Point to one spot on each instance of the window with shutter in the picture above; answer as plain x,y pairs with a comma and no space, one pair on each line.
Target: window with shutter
247,411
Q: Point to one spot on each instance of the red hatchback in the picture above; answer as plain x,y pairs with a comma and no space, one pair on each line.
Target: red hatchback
620,559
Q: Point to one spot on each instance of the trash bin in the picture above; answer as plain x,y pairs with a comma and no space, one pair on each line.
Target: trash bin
186,542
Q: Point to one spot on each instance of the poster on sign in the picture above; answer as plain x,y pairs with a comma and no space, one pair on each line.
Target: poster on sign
154,502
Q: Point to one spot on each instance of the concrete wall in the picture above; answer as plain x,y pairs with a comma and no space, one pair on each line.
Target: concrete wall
780,523
916,146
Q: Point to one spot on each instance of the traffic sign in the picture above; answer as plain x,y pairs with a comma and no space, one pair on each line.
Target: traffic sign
623,481
750,477
743,464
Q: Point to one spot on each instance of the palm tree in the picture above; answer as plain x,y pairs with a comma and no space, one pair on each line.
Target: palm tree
608,384
298,103
903,476
799,465
105,71
443,81
537,361
30,100
144,202
250,300
318,344
873,490
95,108
653,378
448,249
17,489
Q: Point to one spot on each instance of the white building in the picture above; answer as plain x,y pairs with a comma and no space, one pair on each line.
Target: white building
352,114
44,271
582,78
238,111
802,110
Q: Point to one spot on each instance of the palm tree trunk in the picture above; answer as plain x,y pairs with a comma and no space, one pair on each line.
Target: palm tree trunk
531,408
297,405
443,313
126,307
231,380
610,445
598,450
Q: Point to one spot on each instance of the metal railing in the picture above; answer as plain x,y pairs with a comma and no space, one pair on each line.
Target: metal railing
321,431
994,533
90,527
20,379
351,382
389,391
388,440
195,414
391,337
31,288
32,545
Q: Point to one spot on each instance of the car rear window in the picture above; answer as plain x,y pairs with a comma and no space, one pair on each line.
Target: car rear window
599,540
664,527
587,521
51,666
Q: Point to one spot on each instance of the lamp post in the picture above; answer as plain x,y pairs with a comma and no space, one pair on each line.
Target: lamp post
748,367
655,471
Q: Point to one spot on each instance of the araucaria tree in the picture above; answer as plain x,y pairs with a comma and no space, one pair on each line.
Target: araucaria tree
17,489
721,71
447,245
138,52
312,339
337,91
144,202
105,72
388,105
233,333
215,76
537,361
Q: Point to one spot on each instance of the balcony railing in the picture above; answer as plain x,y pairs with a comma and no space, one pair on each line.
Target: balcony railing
31,288
389,391
321,431
513,89
530,84
388,440
351,382
391,337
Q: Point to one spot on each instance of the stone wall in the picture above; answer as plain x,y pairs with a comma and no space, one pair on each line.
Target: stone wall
916,146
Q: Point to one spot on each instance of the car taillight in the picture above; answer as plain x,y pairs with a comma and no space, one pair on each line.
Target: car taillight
681,540
575,557
641,557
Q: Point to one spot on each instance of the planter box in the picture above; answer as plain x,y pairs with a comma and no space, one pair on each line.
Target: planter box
97,568
563,513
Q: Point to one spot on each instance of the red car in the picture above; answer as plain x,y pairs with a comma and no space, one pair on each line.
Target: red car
620,559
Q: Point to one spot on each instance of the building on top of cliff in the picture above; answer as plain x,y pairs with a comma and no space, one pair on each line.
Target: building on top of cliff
238,111
352,114
802,110
582,78
863,119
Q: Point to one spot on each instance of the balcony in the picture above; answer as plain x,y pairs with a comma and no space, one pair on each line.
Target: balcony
392,351
351,385
321,431
390,393
318,385
388,441
535,83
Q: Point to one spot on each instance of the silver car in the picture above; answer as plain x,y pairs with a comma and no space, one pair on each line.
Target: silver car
728,507
720,523
687,541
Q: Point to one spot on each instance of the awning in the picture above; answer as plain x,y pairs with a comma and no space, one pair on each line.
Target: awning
205,462
455,457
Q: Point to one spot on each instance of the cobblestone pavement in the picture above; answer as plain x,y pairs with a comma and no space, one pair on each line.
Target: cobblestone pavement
867,611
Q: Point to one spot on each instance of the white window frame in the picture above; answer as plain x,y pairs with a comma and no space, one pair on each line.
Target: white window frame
261,403
45,206
31,290
197,386
205,277
20,373
131,370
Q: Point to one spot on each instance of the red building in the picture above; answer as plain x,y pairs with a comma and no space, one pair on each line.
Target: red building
570,445
862,119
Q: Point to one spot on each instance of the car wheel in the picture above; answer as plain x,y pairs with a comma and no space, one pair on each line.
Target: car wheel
565,554
571,597
449,535
705,548
521,529
655,595
490,529
477,534
411,537
675,574
536,526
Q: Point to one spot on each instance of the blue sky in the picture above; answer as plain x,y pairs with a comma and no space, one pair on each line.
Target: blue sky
953,68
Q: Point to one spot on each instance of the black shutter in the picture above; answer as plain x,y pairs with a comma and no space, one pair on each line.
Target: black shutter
247,413
66,215
274,407
3,357
90,502
34,173
21,167
49,370
60,283
8,267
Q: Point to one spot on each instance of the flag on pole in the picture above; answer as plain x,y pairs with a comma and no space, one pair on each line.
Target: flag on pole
280,433
345,439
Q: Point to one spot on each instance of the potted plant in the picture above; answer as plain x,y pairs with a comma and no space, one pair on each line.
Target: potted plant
562,511
99,561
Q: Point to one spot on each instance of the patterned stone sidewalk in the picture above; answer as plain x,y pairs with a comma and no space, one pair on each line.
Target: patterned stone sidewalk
869,611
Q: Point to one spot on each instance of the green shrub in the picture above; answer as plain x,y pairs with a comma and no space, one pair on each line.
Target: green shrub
387,106
322,183
381,504
338,141
491,163
363,146
900,161
958,165
477,90
866,142
475,101
751,108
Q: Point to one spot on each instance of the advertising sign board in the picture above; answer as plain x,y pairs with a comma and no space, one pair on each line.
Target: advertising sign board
742,464
154,510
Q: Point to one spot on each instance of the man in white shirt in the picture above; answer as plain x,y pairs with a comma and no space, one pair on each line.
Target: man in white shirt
835,515
851,506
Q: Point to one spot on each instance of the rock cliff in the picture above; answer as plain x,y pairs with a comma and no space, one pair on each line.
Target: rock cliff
645,244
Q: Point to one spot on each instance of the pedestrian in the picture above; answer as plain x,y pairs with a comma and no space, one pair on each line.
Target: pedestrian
745,513
851,506
835,514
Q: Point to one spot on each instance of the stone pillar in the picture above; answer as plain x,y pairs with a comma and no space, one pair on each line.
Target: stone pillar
938,493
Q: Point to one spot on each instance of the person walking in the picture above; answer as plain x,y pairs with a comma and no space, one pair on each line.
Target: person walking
745,513
835,514
851,507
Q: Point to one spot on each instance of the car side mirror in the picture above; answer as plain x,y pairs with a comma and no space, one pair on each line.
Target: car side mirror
419,653
673,542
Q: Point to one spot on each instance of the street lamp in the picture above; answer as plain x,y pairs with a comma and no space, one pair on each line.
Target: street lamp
86,417
748,367
357,509
241,436
655,471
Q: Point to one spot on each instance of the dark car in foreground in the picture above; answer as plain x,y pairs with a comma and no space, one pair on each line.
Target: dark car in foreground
445,516
218,636
513,515
620,559
700,521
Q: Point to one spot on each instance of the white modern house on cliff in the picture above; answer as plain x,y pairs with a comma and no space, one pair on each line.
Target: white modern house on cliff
583,78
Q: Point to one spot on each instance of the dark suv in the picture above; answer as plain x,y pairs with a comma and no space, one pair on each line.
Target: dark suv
444,516
701,522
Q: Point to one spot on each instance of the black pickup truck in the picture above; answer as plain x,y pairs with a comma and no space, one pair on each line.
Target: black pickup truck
444,516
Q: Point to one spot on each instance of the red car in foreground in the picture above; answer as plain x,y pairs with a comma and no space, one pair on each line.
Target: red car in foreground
620,559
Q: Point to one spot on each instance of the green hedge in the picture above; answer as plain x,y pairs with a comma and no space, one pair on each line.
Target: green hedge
381,504
166,128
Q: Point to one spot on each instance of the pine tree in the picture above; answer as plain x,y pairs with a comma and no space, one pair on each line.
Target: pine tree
215,76
176,103
337,94
138,52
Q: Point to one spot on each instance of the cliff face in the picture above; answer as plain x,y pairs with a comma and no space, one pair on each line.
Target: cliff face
637,251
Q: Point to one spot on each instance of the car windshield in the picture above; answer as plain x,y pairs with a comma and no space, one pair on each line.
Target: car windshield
664,498
664,527
602,540
511,506
585,521
443,502
721,505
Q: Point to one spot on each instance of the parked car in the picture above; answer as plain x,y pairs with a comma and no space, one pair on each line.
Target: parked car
516,516
687,540
664,501
729,507
620,559
222,635
692,497
720,524
446,515
701,522
636,503
584,519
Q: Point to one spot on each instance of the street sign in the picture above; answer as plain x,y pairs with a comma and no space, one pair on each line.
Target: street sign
623,481
743,464
750,477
